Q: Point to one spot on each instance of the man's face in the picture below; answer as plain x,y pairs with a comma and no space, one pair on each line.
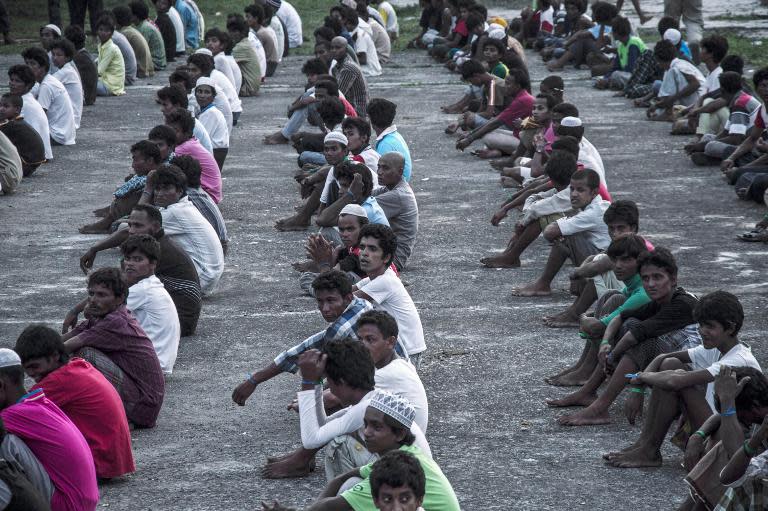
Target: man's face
321,93
101,301
38,368
618,229
389,171
38,70
572,11
380,347
491,53
47,36
625,267
338,50
213,44
355,140
139,223
663,64
400,498
17,85
194,71
59,58
331,303
104,34
166,107
163,6
712,333
252,22
581,194
141,164
557,118
762,90
371,255
204,95
334,152
7,110
322,53
658,284
137,266
379,437
165,149
165,195
349,230
540,111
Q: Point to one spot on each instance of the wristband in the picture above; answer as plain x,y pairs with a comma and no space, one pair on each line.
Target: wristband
700,433
604,342
251,379
748,450
729,412
311,382
638,390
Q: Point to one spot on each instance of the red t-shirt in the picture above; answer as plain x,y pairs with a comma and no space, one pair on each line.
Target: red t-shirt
93,404
520,107
761,118
349,110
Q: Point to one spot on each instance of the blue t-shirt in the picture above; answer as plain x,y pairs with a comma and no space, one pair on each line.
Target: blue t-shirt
595,30
375,213
394,142
189,18
685,50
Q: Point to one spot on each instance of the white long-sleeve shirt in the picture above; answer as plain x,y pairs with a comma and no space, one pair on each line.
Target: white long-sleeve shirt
546,203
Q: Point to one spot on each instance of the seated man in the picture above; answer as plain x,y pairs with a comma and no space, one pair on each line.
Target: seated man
245,56
175,268
201,65
148,300
217,42
398,201
145,67
575,237
53,97
150,32
331,112
254,16
62,53
388,139
83,394
677,387
86,68
145,158
358,133
111,64
355,185
112,340
682,83
752,151
171,97
21,79
186,144
181,77
10,166
489,97
27,141
212,119
365,48
634,338
64,464
352,82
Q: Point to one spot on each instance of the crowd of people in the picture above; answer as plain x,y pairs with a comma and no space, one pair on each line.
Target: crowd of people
362,402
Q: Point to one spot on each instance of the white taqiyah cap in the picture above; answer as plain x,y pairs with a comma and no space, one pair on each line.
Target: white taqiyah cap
336,136
395,406
355,210
205,80
204,51
570,122
9,358
53,27
673,35
496,32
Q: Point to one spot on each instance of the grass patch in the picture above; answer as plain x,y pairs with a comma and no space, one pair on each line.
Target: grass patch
754,51
729,16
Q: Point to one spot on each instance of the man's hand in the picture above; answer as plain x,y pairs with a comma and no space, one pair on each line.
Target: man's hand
726,386
70,321
575,275
591,326
727,164
603,352
761,145
694,451
242,392
86,261
633,406
312,365
356,187
275,506
463,143
320,250
498,217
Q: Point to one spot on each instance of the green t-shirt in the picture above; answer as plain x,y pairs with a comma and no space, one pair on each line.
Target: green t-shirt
636,297
248,61
500,70
439,495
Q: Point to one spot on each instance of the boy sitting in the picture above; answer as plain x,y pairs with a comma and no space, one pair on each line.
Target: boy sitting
382,115
212,119
682,83
172,97
628,51
27,141
21,80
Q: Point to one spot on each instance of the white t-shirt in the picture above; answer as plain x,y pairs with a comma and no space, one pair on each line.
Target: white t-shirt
381,39
364,44
154,309
202,136
712,360
389,16
223,65
216,126
178,26
712,83
221,101
194,234
590,158
237,75
34,115
221,81
292,22
260,53
317,429
54,99
371,158
389,294
400,377
70,79
277,27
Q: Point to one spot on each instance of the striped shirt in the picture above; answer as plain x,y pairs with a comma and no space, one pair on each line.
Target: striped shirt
352,84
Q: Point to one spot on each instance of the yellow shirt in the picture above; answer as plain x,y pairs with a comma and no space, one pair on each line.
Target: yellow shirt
112,68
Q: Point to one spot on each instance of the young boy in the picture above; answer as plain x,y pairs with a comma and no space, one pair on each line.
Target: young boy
172,97
89,75
682,83
397,482
62,53
491,101
212,119
27,141
678,387
628,51
150,32
382,115
493,50
111,66
218,42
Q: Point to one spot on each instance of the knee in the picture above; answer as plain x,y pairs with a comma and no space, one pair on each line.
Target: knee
614,302
670,364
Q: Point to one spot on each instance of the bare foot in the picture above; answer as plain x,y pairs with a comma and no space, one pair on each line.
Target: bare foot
553,66
101,212
575,378
275,139
645,18
585,417
291,224
563,320
575,399
612,454
501,163
500,262
636,458
509,182
290,466
452,128
96,228
487,154
532,289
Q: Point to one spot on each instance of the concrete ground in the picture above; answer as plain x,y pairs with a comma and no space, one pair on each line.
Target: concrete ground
488,351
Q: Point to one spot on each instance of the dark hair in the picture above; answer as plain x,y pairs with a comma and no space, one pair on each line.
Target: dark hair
566,109
332,24
346,171
76,34
722,307
755,392
122,14
190,167
521,77
350,15
236,23
203,62
15,374
759,76
580,5
66,46
474,20
397,428
324,44
181,74
496,43
219,34
144,243
24,73
661,258
14,100
40,341
349,362
549,98
396,469
152,213
333,280
163,132
37,54
139,9
175,94
329,85
325,32
361,125
576,132
385,236
560,167
168,175
148,149
478,8
589,175
622,210
381,112
106,20
567,143
733,63
665,51
621,27
182,118
382,320
730,81
256,11
667,22
331,111
314,66
630,245
111,279
554,82
472,67
716,45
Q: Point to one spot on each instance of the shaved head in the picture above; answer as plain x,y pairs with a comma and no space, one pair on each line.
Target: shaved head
339,40
394,159
339,48
390,170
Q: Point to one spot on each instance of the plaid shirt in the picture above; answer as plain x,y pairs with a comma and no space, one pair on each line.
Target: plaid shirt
753,494
133,184
646,71
342,328
352,84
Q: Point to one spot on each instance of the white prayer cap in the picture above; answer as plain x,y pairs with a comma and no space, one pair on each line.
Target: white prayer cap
9,358
587,17
53,27
673,36
355,210
570,122
205,80
349,3
336,136
497,32
204,51
396,407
